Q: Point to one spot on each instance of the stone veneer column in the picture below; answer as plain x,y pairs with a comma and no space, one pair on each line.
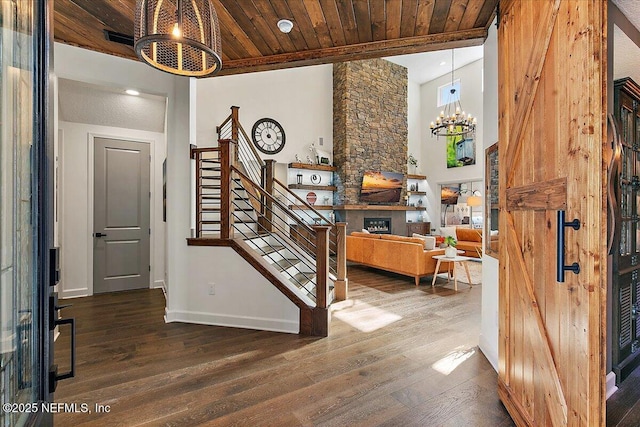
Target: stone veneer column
369,123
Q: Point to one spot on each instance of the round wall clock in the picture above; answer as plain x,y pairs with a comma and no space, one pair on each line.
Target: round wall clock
268,136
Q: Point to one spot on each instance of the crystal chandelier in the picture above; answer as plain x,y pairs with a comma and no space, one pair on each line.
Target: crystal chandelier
453,121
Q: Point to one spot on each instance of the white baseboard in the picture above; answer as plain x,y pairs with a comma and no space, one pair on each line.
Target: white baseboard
159,284
611,384
489,352
74,293
261,324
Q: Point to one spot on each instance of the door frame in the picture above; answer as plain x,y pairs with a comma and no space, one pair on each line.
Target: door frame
90,202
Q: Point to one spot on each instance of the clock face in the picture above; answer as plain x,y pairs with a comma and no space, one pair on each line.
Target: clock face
268,136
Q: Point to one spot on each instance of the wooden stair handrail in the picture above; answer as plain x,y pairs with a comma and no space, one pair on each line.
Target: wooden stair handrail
273,200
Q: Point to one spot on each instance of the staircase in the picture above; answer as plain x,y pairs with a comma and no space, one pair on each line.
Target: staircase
240,204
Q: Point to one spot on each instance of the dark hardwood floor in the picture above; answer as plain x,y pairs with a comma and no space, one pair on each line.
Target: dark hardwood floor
397,356
623,407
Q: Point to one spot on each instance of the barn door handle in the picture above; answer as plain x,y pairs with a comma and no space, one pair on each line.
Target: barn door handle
100,235
560,262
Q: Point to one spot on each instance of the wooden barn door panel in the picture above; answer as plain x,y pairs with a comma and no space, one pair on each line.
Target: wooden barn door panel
552,129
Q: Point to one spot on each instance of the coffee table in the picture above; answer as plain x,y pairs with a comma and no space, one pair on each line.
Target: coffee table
461,259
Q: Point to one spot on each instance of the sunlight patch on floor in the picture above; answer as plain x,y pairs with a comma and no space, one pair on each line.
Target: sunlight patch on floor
451,361
363,316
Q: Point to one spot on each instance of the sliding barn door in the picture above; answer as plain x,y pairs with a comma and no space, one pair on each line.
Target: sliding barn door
552,128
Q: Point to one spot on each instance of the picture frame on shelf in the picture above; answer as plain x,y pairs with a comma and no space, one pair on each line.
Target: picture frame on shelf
323,157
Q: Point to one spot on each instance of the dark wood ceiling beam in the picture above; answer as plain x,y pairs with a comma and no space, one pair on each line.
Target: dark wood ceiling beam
282,11
423,17
456,13
348,19
378,20
487,13
302,21
408,19
439,17
117,16
471,14
318,21
330,11
363,20
394,18
234,31
370,50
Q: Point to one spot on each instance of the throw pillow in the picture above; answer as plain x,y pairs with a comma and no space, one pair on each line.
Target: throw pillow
364,230
429,241
448,231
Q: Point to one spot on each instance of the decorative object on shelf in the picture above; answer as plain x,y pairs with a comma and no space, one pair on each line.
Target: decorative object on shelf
419,202
299,178
332,217
311,197
450,251
452,120
325,200
413,163
297,159
309,160
412,187
322,157
316,179
180,37
268,136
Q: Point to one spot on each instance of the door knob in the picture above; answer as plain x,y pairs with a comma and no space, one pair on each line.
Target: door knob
99,235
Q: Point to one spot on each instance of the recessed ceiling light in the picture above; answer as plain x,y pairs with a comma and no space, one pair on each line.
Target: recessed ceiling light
132,92
285,25
443,63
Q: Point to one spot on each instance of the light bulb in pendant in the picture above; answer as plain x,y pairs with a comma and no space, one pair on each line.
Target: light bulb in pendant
176,31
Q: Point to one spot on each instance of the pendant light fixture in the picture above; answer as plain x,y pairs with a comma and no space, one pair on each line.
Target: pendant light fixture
452,121
178,36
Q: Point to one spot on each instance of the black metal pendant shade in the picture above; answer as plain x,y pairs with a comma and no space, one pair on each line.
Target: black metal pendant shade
178,36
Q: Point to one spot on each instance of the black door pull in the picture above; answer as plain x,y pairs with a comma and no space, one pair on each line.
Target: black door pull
99,235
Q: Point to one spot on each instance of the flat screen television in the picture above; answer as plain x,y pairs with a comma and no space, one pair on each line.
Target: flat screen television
381,187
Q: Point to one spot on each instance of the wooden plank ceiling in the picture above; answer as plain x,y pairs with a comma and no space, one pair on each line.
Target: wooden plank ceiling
324,31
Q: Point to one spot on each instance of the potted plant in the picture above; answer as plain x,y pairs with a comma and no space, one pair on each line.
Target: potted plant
413,162
450,251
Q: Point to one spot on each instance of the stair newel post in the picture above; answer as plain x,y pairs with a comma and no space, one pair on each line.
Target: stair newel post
341,288
227,153
234,122
322,264
268,173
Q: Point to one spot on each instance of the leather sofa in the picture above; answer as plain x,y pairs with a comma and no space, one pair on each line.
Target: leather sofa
398,254
469,241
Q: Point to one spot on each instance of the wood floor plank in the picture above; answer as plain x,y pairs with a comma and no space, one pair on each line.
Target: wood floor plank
382,364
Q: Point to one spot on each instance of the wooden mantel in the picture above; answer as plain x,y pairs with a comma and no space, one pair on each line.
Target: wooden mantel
378,208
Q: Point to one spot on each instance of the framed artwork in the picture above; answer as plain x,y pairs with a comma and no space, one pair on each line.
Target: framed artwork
461,151
491,201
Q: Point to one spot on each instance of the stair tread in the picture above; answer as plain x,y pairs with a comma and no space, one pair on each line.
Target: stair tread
267,250
286,263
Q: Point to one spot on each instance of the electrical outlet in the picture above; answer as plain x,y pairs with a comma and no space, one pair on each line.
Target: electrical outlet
212,288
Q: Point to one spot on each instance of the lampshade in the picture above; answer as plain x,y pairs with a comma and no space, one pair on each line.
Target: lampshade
180,37
474,201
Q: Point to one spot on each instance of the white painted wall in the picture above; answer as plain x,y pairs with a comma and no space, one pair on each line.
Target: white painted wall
243,298
76,207
434,149
300,99
489,317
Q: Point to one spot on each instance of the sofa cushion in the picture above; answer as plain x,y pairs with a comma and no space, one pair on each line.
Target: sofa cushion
401,239
469,235
429,241
367,235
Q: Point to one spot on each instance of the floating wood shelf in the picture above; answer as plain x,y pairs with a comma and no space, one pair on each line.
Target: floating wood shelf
313,167
378,208
412,176
312,187
416,193
316,207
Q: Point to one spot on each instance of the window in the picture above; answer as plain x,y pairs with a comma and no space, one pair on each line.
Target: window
444,93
